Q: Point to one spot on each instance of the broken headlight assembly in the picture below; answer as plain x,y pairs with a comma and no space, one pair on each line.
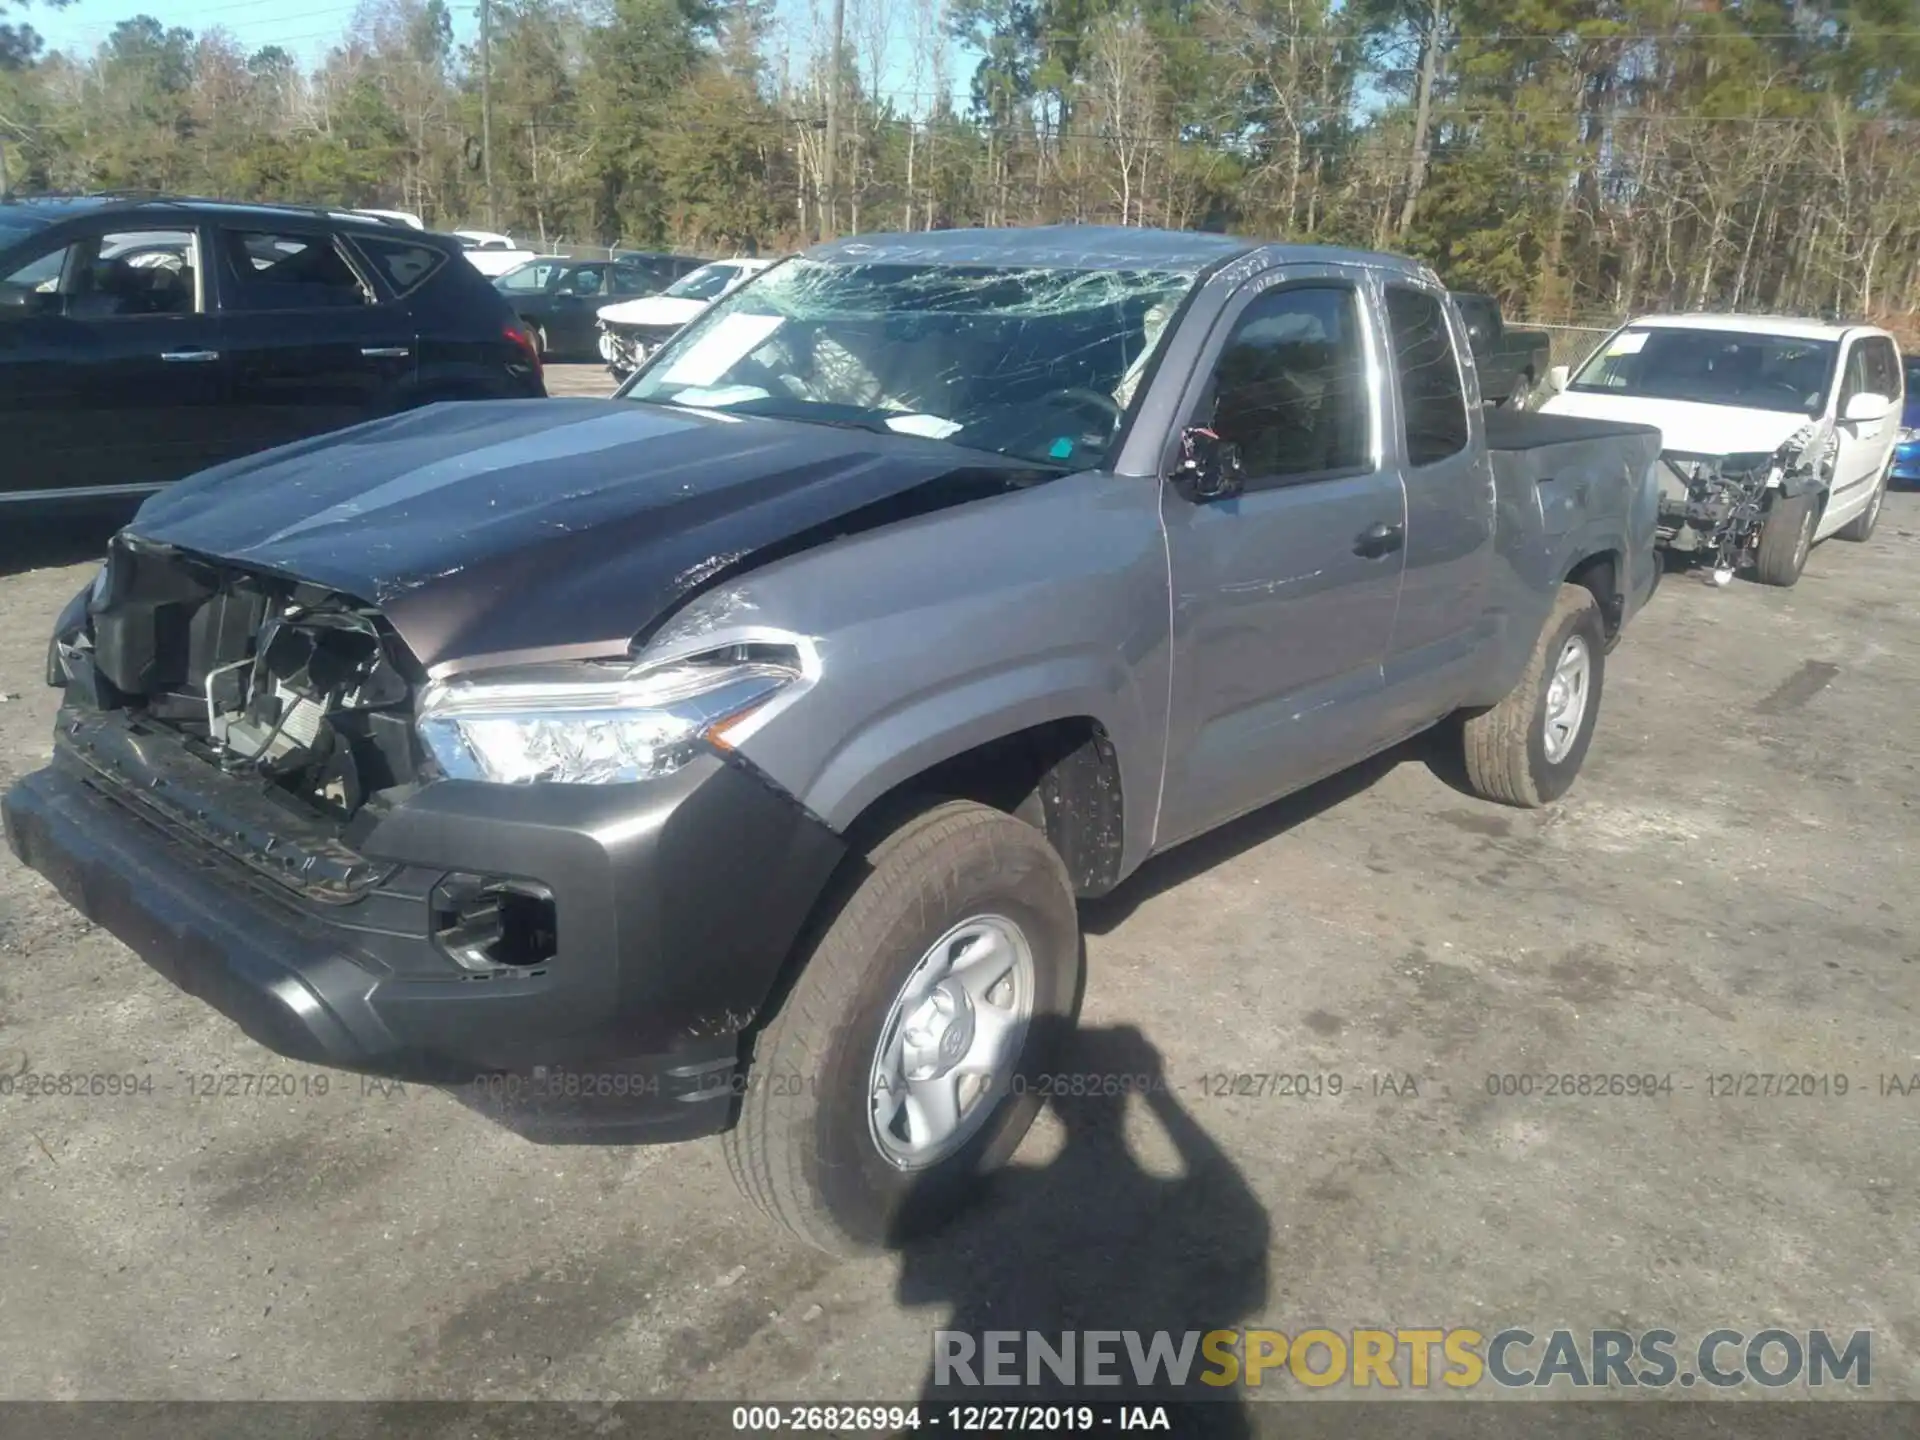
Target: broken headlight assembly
602,723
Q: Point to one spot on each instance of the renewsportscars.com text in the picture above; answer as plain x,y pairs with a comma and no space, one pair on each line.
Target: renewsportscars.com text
1412,1359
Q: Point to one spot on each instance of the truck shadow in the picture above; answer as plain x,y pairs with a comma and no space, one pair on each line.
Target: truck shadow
1093,1241
1438,749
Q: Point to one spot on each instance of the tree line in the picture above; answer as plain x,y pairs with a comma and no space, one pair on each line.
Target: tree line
1578,158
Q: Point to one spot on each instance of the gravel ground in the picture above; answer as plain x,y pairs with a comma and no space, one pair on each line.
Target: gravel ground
1724,891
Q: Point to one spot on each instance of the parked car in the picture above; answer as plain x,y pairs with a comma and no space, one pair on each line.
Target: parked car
1512,363
1779,432
1906,451
143,340
560,298
780,710
404,218
634,329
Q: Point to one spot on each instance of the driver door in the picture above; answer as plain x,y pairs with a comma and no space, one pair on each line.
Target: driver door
112,380
1284,594
1863,444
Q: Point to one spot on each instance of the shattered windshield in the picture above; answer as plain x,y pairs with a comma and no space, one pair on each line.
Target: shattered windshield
1713,367
1035,363
703,284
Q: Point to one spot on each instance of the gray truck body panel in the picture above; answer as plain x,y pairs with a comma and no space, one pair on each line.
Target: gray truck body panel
1232,651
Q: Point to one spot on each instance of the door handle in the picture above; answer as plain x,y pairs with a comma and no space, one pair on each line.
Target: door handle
385,352
189,357
1379,539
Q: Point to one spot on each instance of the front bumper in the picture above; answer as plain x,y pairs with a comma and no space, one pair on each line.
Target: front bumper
631,1031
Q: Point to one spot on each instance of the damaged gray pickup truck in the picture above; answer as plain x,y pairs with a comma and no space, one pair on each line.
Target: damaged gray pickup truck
729,755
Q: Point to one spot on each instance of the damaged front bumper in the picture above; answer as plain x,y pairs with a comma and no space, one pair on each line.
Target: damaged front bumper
615,1014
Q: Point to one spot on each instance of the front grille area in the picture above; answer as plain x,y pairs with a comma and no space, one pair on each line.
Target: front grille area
265,679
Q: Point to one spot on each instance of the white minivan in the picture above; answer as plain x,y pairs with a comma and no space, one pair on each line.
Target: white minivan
1776,432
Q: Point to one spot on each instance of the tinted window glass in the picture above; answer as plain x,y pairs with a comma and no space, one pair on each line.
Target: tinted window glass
1479,316
534,276
587,280
270,270
1289,388
1883,367
405,265
1431,397
629,280
118,275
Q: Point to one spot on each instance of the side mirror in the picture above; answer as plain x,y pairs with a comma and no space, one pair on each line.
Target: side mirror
1557,378
1208,468
1866,407
1476,334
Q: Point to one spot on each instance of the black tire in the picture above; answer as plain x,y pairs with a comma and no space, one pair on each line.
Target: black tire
1786,539
804,1149
1862,526
1506,747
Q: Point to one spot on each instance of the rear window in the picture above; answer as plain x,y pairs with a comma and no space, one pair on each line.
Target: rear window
276,270
404,264
1434,402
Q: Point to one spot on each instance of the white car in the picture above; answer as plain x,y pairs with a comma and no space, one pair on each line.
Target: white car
1776,433
634,329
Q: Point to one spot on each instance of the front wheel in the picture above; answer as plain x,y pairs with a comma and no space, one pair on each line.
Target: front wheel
1527,750
1786,538
906,1063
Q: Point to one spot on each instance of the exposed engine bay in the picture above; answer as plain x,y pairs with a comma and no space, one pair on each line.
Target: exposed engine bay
306,688
1714,506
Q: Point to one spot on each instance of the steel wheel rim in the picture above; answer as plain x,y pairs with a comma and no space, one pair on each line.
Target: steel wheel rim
1567,694
949,1044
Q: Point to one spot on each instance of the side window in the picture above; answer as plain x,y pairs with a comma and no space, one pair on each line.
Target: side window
275,270
1289,388
1433,403
1854,381
41,275
118,275
587,280
629,280
405,265
1883,367
1479,317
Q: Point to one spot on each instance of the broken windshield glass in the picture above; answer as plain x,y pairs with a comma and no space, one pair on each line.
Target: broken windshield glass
1034,363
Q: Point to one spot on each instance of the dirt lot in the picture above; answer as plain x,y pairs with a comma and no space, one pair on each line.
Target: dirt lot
1727,890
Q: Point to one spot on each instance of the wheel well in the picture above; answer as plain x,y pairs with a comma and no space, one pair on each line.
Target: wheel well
1062,777
1600,574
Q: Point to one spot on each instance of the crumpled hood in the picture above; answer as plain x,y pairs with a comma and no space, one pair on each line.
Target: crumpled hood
653,310
494,528
1687,427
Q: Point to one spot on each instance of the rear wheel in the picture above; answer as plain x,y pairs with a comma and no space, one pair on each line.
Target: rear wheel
1862,525
540,341
902,1067
1527,750
1786,538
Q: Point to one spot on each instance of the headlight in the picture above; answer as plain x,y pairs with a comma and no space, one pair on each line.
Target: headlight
598,724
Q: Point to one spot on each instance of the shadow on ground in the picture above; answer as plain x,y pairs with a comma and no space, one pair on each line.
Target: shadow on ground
1439,749
1092,1240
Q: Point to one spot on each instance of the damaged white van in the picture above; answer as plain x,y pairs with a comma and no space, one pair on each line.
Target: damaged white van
1776,432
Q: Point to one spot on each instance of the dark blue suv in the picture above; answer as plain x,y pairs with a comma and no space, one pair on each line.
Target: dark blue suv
143,339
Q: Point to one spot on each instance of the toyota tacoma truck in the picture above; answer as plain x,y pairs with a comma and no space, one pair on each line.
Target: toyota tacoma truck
729,755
